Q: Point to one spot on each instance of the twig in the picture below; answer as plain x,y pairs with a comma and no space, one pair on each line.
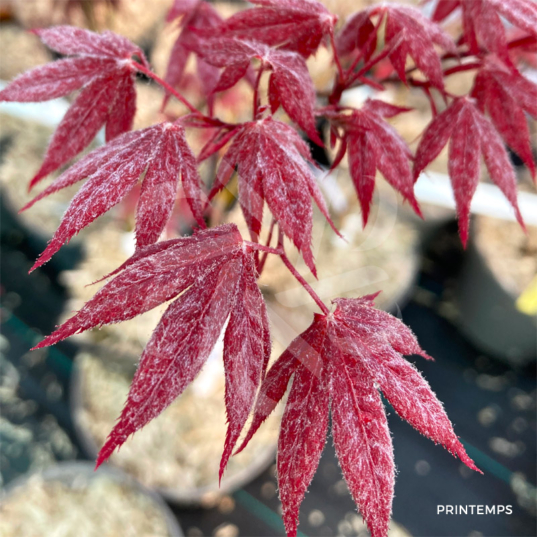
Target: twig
262,248
143,69
336,57
265,254
300,279
256,93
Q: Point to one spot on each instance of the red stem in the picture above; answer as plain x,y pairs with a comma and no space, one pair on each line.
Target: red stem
463,67
300,279
208,151
426,83
265,254
427,92
336,57
371,83
257,246
379,57
522,41
165,85
256,93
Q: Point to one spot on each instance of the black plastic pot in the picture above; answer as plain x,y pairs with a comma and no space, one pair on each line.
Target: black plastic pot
489,317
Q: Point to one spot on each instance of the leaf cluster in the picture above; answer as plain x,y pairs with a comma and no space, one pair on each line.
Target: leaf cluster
347,357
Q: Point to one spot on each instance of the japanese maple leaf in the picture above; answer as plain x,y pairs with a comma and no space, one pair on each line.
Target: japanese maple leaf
159,153
358,32
196,15
339,365
409,32
373,144
298,25
506,96
471,134
290,83
101,66
214,277
483,25
273,162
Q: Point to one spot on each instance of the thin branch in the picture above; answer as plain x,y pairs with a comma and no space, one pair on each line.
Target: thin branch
462,67
262,248
143,69
261,265
376,59
336,57
256,93
208,151
297,275
371,83
427,91
522,41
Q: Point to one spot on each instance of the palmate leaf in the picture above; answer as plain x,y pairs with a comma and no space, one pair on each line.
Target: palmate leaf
339,364
472,134
214,274
160,153
483,26
408,31
272,164
297,25
371,144
417,35
100,65
355,34
507,96
290,83
197,15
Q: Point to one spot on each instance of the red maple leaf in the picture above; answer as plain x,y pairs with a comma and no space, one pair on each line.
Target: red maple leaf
101,67
273,164
339,364
357,32
409,32
213,274
372,143
506,95
113,170
416,35
197,15
471,134
482,24
298,25
290,83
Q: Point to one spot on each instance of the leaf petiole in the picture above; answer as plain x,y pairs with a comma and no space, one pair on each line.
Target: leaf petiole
143,69
299,277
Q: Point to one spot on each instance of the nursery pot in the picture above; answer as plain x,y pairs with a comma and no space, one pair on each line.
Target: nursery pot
489,315
67,487
178,453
